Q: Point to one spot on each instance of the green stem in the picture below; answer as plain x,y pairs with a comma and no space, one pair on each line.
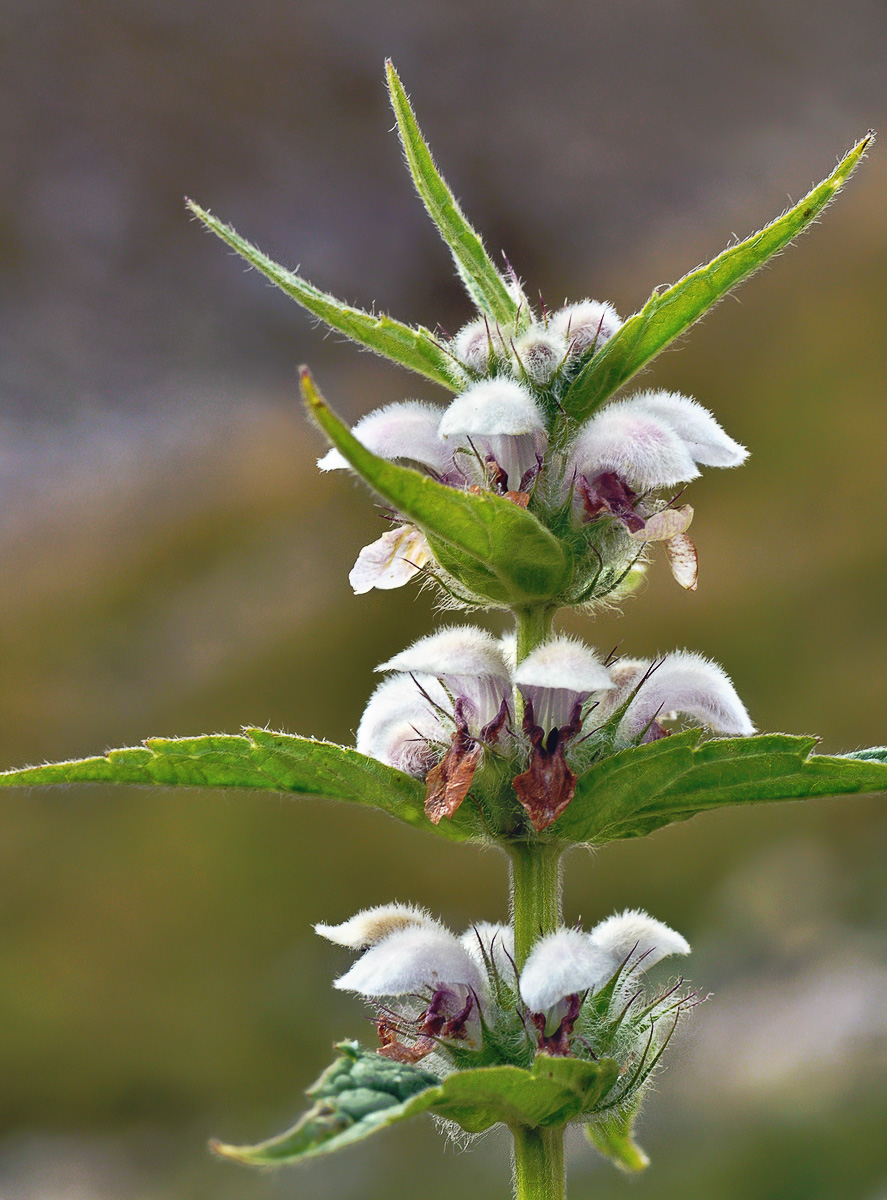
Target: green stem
535,894
533,625
535,910
538,1164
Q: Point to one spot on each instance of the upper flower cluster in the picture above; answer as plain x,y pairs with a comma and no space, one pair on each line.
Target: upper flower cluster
596,486
462,999
458,695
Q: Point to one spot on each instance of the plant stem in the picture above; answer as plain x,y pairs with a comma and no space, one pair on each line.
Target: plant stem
535,894
533,625
535,910
538,1164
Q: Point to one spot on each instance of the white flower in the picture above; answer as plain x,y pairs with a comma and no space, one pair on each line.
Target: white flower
410,960
681,683
371,925
563,964
499,422
568,962
638,937
557,676
401,725
407,429
587,324
391,561
490,944
652,440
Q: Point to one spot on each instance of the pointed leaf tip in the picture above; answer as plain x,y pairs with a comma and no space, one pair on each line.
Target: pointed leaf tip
669,312
485,285
417,349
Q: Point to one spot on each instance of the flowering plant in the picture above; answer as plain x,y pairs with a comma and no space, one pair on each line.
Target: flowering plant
535,490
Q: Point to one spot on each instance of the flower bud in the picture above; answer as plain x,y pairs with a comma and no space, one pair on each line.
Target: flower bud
582,326
540,353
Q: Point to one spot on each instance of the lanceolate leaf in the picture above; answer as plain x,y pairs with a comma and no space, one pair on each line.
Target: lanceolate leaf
417,349
524,557
645,787
363,1092
256,759
666,315
484,284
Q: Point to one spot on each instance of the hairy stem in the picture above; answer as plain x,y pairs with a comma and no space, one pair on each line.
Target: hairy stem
538,1164
535,910
535,894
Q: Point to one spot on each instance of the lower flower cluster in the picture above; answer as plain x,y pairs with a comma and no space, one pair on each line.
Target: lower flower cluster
459,1002
457,699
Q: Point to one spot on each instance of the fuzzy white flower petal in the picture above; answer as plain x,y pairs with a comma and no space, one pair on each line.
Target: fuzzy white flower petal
634,933
401,727
371,925
469,663
407,429
562,964
556,675
689,684
636,445
586,324
540,353
390,561
477,343
412,960
703,436
490,408
453,650
563,662
488,943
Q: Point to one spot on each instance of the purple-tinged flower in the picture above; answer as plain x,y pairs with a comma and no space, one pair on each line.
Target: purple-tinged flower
555,680
680,683
497,431
585,326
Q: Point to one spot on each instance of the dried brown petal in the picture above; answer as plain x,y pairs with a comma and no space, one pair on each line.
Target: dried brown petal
449,781
683,560
546,787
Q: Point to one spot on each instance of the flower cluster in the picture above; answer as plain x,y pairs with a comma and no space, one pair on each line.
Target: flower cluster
459,1001
454,697
597,486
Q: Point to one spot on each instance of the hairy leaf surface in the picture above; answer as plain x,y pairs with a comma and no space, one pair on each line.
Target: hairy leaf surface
416,349
259,759
363,1092
667,314
484,284
529,563
645,787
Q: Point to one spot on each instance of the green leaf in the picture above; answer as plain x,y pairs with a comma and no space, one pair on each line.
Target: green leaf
612,1135
667,314
259,759
363,1092
359,1094
643,788
485,285
416,349
526,561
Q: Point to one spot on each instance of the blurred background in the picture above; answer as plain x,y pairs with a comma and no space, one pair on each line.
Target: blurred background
173,564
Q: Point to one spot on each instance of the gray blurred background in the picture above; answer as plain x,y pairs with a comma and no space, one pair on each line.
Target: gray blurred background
172,563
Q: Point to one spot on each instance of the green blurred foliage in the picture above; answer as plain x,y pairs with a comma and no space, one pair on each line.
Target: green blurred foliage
174,565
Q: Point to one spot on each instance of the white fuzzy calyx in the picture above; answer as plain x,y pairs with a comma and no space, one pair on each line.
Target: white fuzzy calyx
490,944
454,650
636,934
590,323
407,429
682,683
563,964
372,925
412,960
492,408
401,725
